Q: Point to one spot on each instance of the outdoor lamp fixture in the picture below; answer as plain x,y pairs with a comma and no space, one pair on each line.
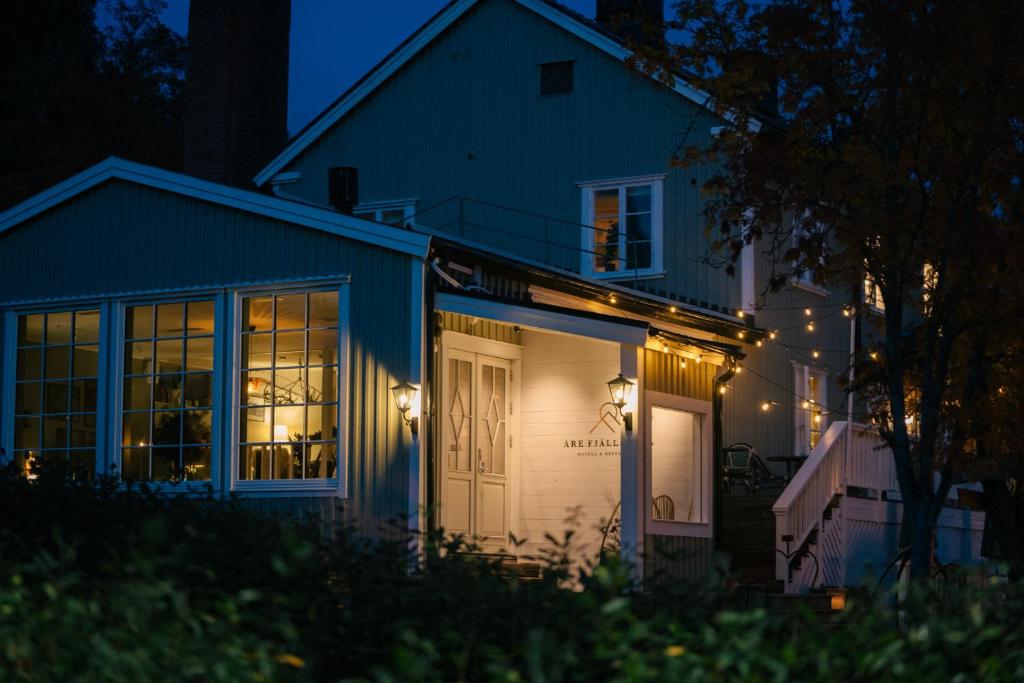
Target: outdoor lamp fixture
620,388
405,394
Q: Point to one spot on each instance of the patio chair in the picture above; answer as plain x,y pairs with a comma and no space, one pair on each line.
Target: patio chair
662,507
742,465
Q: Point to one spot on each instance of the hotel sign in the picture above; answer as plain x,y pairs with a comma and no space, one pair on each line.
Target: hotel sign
603,439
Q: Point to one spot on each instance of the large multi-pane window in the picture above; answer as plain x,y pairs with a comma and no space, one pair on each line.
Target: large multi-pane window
288,417
55,392
167,392
623,228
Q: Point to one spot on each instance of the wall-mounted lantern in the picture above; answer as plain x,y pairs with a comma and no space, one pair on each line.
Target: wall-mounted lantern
405,397
621,388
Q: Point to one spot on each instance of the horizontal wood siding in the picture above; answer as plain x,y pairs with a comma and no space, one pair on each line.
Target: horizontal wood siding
125,238
569,458
465,118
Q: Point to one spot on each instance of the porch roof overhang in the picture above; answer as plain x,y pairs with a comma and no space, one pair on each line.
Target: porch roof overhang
541,316
642,307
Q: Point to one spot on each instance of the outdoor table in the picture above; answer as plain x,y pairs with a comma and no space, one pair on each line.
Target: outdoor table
790,461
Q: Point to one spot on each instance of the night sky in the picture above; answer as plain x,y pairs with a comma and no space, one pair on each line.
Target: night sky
335,42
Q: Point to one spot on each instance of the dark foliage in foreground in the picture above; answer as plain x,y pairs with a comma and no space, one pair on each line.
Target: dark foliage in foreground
99,584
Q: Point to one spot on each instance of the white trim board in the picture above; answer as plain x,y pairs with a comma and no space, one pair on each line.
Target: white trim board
426,34
325,220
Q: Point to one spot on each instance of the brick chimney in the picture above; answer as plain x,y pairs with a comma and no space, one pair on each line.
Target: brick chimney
636,21
236,95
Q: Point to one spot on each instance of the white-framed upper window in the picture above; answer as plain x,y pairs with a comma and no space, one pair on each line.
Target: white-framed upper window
811,417
290,365
397,212
873,294
804,277
623,227
167,405
678,465
58,365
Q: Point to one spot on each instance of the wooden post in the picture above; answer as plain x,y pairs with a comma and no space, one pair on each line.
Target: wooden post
631,473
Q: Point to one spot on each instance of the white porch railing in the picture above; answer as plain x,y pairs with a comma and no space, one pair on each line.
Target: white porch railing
800,509
840,529
809,519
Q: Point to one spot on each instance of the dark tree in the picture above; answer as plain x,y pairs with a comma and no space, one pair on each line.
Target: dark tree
894,151
73,93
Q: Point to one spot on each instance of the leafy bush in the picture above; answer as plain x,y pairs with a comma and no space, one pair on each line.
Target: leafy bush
102,584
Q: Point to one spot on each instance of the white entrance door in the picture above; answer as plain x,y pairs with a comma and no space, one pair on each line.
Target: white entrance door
476,447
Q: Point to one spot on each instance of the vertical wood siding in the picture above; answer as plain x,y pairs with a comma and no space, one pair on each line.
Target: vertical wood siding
677,557
663,373
480,327
681,557
124,238
465,118
769,370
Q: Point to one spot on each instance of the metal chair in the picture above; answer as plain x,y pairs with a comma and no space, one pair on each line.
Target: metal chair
662,507
742,465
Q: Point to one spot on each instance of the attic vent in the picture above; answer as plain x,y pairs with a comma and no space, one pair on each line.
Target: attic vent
556,78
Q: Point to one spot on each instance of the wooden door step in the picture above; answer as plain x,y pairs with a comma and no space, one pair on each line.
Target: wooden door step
523,570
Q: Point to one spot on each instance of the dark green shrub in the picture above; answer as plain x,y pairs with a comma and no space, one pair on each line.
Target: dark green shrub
102,584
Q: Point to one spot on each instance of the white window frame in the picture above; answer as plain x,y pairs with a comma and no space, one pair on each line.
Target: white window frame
587,190
805,279
336,487
408,207
220,367
802,416
702,409
9,349
873,295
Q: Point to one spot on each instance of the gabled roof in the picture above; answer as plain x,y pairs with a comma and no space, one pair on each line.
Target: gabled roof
326,220
574,23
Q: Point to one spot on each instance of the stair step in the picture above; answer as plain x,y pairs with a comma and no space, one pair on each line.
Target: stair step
524,570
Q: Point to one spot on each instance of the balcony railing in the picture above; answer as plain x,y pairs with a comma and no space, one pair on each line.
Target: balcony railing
553,241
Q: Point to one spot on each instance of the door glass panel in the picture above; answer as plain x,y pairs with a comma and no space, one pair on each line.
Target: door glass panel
492,432
460,415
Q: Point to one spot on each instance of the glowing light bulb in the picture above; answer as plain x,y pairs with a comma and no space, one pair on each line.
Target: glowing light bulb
682,363
759,343
773,334
613,299
741,334
664,348
672,309
810,327
721,389
740,314
817,419
815,354
807,311
699,358
874,355
766,406
805,404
